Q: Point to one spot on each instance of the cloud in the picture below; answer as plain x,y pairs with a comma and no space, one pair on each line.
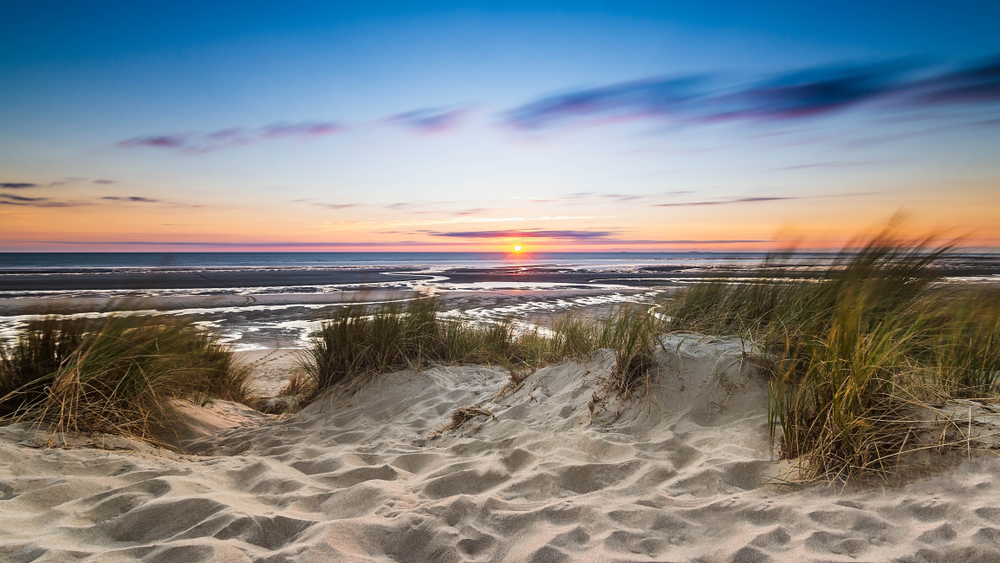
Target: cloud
397,206
17,185
209,244
131,199
658,96
797,95
11,199
810,92
306,130
973,85
104,181
157,141
429,120
725,201
197,142
336,205
683,241
841,164
573,235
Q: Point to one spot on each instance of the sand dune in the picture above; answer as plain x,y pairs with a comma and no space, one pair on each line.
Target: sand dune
555,470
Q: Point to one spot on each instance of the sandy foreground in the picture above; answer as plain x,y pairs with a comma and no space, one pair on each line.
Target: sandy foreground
450,464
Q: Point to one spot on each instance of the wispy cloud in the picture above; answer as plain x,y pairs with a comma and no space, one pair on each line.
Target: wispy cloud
797,95
762,199
157,141
22,199
131,199
17,185
336,205
976,84
725,201
264,244
11,199
199,142
430,120
354,225
529,233
839,164
658,96
104,181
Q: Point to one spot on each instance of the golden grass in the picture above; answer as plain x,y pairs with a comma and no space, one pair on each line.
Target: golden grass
845,353
115,374
360,343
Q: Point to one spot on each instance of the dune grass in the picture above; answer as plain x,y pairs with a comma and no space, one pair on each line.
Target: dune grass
846,352
362,342
114,374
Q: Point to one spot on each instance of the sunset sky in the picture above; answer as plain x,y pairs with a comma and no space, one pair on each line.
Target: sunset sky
436,126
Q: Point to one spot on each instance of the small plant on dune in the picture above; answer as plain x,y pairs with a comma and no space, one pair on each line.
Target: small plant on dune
630,332
845,349
360,343
116,374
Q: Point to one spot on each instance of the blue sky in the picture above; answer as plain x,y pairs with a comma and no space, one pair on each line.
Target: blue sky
440,126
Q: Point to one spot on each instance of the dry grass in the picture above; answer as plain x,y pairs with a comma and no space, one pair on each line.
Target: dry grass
360,343
114,374
846,352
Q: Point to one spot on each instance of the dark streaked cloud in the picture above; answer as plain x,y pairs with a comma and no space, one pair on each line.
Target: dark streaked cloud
104,181
429,120
17,185
689,241
336,205
157,141
234,136
974,84
11,199
658,96
131,199
725,201
810,92
209,244
571,235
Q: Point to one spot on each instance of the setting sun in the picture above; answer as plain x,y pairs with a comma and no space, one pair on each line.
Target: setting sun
517,248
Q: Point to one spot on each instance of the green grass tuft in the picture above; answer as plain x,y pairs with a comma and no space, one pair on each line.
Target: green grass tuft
360,343
846,351
114,374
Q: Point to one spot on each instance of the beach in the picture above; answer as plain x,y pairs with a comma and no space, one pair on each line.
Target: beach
474,462
555,469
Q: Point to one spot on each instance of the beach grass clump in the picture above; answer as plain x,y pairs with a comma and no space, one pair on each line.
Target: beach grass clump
362,342
27,367
359,343
960,357
631,333
875,330
115,374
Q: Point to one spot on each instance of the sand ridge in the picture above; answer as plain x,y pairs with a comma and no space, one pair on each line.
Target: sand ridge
554,470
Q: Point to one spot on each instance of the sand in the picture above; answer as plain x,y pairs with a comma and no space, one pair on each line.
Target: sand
554,470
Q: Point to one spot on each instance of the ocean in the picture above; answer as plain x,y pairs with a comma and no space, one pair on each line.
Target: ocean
258,300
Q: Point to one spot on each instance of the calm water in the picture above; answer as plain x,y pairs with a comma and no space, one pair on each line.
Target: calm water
168,260
275,299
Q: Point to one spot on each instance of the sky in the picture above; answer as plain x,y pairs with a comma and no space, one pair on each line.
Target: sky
446,126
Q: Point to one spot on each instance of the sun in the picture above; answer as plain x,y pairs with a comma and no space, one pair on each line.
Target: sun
517,248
